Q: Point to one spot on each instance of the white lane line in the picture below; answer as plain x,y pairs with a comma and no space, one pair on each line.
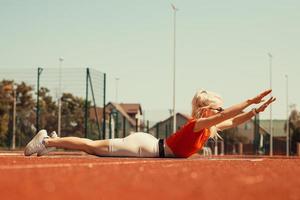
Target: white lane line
51,154
257,160
105,163
237,159
90,165
11,154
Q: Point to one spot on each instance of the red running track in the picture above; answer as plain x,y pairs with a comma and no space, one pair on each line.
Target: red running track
79,176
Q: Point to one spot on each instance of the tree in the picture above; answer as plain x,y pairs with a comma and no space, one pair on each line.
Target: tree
294,124
4,112
73,112
48,111
25,113
22,94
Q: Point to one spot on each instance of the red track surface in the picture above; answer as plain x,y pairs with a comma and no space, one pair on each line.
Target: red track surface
78,176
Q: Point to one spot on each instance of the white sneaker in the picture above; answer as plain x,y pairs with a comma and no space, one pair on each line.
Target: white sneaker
48,149
36,144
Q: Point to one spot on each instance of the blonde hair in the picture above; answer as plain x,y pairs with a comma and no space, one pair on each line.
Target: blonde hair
205,99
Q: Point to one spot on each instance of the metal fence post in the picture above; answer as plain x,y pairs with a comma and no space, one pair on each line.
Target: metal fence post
86,103
157,130
124,127
109,126
38,99
147,126
104,112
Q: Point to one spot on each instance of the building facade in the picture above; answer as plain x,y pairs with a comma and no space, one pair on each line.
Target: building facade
120,119
164,128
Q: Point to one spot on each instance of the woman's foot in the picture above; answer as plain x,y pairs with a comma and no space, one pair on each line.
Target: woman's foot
48,149
36,145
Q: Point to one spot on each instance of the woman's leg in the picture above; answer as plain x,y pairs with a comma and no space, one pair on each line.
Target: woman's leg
97,147
135,145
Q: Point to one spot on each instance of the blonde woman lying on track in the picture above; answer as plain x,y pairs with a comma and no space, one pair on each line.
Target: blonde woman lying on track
208,117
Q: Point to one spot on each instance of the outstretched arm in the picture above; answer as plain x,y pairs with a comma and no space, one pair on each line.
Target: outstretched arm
229,113
241,118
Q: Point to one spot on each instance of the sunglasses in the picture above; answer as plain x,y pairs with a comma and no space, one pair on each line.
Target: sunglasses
219,109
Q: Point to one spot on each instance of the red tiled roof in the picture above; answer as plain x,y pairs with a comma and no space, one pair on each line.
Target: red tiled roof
125,109
131,108
119,108
93,113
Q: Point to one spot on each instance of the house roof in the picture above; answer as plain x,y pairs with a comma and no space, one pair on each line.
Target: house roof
177,114
120,109
93,113
278,127
124,109
187,117
131,108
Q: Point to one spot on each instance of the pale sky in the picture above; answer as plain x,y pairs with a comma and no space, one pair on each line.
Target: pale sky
222,46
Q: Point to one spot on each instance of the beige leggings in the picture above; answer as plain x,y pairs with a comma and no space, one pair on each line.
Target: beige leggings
137,144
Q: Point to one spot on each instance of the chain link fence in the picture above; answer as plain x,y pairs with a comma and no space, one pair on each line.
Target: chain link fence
69,101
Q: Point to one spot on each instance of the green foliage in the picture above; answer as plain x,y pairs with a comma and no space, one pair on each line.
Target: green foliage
48,111
72,115
25,113
294,125
5,111
93,132
73,110
4,120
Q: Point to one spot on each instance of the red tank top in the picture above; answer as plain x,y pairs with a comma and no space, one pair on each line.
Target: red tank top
186,142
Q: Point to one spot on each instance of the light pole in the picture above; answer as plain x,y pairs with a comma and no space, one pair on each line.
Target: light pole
271,122
117,88
14,117
174,65
59,98
287,116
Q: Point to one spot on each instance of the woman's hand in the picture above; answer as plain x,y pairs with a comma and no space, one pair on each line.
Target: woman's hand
265,105
259,98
